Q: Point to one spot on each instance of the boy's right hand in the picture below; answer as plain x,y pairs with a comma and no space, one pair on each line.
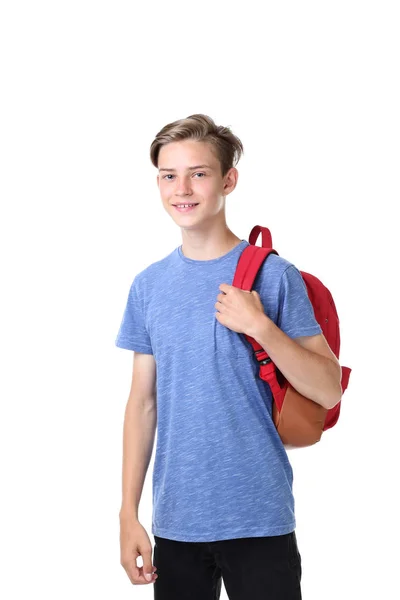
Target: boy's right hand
134,542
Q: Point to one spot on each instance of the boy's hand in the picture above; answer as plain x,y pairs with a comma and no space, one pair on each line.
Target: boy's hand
238,309
135,542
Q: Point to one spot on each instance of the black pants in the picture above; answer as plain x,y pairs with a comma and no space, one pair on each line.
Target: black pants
252,568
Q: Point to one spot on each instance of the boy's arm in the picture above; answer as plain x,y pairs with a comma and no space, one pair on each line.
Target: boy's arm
307,362
140,425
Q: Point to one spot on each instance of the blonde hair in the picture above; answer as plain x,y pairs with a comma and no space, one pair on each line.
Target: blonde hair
226,146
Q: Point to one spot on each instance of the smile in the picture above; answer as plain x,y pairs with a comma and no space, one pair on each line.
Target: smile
185,207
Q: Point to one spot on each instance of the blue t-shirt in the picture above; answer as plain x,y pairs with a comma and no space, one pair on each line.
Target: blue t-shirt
220,470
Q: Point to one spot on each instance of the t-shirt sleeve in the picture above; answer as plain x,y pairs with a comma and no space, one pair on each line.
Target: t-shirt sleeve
295,313
132,334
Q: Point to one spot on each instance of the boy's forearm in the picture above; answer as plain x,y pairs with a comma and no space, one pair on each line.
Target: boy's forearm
315,376
138,439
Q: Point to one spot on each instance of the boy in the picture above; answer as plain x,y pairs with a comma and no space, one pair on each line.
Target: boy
222,483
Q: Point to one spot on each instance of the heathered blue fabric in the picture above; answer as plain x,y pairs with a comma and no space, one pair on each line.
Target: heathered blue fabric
220,469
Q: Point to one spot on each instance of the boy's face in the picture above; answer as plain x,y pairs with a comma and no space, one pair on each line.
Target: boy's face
204,186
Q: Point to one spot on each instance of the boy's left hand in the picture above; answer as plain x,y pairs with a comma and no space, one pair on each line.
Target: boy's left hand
239,310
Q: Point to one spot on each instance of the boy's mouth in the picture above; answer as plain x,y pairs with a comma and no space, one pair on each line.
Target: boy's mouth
185,207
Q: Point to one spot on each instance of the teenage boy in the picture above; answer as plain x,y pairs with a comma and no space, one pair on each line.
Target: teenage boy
223,507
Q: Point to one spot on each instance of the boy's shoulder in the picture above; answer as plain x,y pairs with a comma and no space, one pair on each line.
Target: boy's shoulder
274,266
154,269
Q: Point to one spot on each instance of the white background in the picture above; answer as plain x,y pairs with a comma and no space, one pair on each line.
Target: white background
312,90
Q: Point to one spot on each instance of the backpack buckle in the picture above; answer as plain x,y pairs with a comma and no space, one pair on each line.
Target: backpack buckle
262,361
266,361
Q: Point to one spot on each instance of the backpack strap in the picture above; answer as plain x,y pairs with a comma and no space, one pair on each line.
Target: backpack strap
266,238
249,264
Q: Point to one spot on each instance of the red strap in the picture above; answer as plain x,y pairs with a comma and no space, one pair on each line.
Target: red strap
268,374
266,238
249,264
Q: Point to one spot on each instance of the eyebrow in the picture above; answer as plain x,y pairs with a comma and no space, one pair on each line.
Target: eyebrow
189,168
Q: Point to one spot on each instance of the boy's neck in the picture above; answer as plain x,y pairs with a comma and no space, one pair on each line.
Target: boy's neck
199,246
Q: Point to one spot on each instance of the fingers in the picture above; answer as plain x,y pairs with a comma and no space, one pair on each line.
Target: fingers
145,572
148,567
137,574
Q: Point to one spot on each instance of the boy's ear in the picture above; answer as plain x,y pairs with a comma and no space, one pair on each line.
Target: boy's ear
231,179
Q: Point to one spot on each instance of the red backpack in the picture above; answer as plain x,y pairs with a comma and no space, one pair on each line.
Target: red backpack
300,421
